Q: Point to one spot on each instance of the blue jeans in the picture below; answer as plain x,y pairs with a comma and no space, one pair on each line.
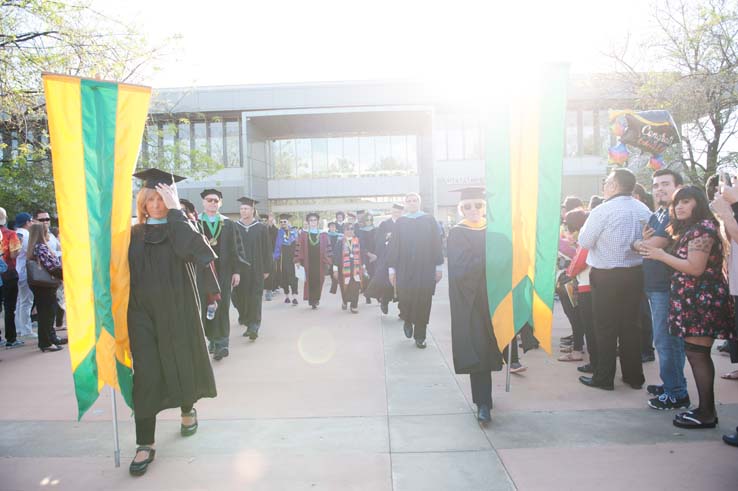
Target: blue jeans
669,348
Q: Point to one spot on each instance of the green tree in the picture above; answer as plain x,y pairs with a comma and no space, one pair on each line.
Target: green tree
690,67
72,38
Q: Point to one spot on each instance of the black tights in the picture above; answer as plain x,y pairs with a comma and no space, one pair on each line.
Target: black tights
703,370
146,427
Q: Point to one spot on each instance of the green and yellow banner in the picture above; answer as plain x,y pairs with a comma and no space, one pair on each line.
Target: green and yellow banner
95,128
525,150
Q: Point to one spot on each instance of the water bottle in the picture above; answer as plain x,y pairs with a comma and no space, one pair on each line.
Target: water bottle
211,311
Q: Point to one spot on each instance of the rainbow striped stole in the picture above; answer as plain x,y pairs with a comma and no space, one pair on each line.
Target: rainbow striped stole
353,243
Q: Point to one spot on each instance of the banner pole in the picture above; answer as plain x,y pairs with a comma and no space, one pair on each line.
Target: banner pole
509,362
116,442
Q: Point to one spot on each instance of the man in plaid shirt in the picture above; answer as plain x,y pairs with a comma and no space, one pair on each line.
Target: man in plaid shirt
616,280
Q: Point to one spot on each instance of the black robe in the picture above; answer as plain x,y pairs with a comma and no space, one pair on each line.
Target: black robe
368,245
284,262
247,295
270,283
230,261
171,367
473,341
414,252
380,286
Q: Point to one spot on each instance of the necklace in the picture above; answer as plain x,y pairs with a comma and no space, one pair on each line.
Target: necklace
317,239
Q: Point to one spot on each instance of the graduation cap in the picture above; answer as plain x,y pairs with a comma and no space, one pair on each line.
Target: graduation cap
312,215
154,177
207,192
398,206
247,201
284,216
475,192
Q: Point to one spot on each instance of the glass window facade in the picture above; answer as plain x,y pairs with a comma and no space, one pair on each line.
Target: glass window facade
457,137
166,142
587,133
340,157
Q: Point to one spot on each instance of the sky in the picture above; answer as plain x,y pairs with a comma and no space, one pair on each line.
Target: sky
286,41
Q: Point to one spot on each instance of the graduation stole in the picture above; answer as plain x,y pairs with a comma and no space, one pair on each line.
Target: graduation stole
351,246
214,228
286,239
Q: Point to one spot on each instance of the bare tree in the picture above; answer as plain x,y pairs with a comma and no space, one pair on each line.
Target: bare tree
690,67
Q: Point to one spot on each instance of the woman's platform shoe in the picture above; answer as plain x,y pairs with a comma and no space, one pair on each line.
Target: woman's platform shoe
140,468
189,430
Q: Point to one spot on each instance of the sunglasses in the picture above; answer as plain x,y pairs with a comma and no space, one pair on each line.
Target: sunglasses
212,200
468,206
44,219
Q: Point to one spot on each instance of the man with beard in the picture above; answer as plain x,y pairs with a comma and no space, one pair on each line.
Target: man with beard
247,295
314,255
220,232
284,258
415,265
672,392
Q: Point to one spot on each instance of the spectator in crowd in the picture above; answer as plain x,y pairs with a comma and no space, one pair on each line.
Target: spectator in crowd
595,201
563,286
700,306
725,205
672,392
9,249
23,222
616,280
644,197
45,296
52,240
578,271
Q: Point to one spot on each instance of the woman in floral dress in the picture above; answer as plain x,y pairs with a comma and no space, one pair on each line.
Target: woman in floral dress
700,305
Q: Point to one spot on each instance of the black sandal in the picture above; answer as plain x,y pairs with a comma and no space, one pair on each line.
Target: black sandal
139,468
689,420
189,430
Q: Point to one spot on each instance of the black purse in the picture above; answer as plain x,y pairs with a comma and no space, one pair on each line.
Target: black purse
38,276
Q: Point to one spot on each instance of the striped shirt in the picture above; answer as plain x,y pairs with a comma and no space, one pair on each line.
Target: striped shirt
610,230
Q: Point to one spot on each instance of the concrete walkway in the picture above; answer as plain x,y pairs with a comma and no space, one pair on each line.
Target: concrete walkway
329,400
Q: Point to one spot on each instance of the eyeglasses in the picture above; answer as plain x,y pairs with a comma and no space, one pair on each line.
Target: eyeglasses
468,206
212,200
43,219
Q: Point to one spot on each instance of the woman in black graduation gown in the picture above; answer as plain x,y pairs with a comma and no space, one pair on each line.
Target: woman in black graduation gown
171,367
474,344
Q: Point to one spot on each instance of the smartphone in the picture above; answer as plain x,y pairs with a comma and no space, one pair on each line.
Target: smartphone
727,179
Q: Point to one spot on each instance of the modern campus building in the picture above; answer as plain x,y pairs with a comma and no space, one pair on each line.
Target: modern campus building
353,145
